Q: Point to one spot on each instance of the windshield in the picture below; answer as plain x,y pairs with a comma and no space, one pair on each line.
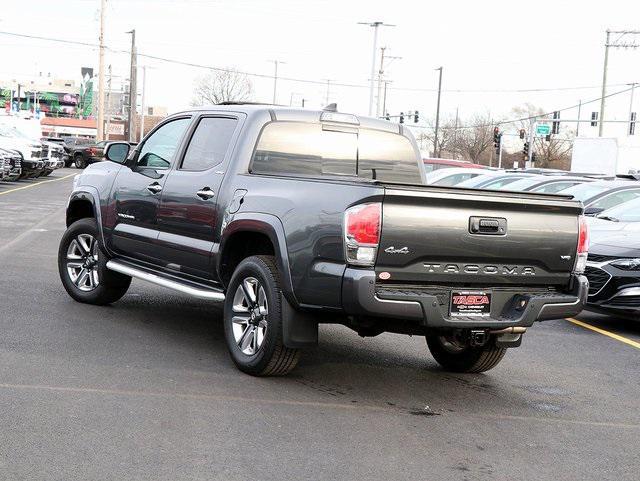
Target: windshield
522,184
626,212
586,191
476,181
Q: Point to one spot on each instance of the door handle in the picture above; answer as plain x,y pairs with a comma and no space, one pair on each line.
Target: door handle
205,193
154,188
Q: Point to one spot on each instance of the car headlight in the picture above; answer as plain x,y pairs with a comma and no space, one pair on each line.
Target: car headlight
627,264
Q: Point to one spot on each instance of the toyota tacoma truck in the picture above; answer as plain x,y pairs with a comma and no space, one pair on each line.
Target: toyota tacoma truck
292,218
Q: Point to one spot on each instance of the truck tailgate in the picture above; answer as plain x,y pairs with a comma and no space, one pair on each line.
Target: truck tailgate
458,237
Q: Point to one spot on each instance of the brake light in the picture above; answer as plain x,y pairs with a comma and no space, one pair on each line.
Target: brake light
92,151
362,233
583,246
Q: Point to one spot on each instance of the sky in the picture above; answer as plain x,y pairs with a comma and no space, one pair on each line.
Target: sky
487,50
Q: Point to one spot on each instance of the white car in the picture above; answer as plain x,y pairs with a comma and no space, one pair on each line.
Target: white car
452,176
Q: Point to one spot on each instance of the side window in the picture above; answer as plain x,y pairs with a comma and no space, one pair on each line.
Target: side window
388,157
304,149
209,143
158,150
616,198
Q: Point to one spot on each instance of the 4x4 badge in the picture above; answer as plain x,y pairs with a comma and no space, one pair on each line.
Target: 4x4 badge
393,250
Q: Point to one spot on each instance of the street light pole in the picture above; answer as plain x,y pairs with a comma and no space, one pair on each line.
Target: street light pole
101,75
372,76
435,136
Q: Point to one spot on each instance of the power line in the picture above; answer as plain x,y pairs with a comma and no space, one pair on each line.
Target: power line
522,119
299,80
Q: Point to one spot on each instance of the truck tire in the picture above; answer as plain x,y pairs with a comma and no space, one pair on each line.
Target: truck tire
253,319
79,161
456,357
82,265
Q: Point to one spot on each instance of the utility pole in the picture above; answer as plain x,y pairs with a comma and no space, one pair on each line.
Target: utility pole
384,98
380,73
144,88
106,136
372,76
578,122
326,99
275,78
455,136
633,86
101,74
383,57
435,136
133,93
604,83
619,42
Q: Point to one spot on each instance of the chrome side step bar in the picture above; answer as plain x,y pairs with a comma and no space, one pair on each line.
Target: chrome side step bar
209,294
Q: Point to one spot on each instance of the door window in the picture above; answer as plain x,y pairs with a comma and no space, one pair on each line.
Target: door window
159,149
209,143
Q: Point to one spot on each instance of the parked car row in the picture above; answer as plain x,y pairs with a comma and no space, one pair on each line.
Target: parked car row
80,151
23,157
612,205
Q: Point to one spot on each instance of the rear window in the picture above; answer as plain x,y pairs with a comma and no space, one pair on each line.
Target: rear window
312,149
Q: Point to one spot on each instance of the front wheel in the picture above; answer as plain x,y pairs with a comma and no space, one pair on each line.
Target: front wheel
454,353
253,319
82,265
80,162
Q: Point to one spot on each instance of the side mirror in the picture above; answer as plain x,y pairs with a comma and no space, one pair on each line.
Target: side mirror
117,152
593,210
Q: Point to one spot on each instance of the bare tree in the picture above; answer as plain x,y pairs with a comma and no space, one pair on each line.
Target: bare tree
552,153
222,86
475,140
446,136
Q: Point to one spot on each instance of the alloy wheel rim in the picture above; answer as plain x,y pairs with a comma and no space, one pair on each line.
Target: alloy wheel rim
249,318
82,262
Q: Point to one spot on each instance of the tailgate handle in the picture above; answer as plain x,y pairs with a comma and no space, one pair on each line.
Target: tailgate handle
488,225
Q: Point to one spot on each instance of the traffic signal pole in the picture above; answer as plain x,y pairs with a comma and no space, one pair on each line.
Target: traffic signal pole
532,125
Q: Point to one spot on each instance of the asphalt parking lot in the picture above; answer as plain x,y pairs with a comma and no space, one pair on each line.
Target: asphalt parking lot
145,390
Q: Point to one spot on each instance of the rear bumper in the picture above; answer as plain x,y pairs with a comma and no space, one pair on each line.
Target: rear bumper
430,306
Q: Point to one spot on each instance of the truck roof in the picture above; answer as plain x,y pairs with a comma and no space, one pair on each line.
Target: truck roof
286,113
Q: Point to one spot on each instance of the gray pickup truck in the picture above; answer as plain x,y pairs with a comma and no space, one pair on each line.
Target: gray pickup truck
294,218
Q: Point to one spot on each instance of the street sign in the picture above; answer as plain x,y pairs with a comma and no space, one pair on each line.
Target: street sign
543,129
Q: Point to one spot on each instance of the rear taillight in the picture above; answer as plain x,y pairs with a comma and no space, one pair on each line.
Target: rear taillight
92,151
362,233
583,246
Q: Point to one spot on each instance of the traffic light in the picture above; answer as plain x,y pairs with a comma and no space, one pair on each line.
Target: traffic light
387,116
632,123
548,138
522,133
525,151
555,126
594,119
533,158
402,117
497,139
416,117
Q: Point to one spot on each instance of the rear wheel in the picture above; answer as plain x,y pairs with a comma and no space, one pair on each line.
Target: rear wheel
454,353
79,162
253,319
82,266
